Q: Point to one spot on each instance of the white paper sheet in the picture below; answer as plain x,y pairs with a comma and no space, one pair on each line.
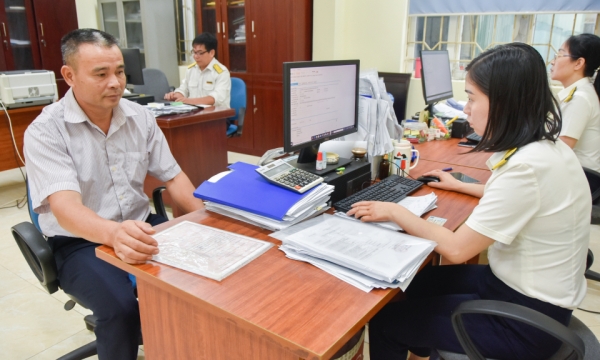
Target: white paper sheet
206,251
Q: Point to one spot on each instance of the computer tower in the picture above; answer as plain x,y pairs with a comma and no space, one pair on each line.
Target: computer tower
356,176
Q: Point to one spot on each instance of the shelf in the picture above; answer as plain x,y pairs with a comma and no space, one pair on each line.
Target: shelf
20,46
209,8
134,21
238,43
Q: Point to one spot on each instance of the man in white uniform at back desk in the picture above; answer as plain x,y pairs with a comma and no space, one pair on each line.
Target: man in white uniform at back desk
207,82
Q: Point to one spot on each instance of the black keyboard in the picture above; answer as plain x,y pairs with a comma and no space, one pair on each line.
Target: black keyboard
474,137
392,189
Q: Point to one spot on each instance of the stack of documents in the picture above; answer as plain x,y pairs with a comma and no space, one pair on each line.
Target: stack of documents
360,254
244,194
169,109
417,205
240,34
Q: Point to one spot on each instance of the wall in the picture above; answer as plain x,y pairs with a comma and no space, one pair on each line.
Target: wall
372,31
87,14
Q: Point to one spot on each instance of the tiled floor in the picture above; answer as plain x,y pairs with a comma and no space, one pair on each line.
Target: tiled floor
34,325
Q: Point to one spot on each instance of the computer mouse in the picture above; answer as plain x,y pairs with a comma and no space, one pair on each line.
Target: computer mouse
428,179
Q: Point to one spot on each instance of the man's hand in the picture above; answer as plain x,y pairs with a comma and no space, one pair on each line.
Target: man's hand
132,241
174,96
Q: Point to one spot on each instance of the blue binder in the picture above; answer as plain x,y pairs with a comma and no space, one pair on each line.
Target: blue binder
245,189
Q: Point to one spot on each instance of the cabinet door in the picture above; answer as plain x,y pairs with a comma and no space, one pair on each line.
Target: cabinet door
279,31
234,34
208,20
267,113
134,36
110,19
54,20
19,35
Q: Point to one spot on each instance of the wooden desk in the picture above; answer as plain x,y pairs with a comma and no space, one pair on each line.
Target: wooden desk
21,118
272,308
198,143
448,151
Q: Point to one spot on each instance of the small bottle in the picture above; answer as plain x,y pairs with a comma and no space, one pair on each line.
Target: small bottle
384,167
319,164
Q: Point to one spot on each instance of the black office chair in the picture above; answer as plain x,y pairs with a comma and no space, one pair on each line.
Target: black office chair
578,340
39,257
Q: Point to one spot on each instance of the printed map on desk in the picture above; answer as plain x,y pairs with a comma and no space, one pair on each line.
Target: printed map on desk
206,251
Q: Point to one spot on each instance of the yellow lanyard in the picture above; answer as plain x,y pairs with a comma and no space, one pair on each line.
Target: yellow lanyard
507,155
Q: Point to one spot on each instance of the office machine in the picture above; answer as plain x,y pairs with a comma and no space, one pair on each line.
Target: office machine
27,88
285,175
391,189
133,66
320,103
436,77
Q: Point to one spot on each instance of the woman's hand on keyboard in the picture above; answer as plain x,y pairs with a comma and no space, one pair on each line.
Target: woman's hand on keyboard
373,210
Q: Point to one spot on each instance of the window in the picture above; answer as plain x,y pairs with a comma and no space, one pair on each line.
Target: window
466,36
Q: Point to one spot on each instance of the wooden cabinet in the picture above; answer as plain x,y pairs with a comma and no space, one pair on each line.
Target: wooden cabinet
30,31
255,38
147,25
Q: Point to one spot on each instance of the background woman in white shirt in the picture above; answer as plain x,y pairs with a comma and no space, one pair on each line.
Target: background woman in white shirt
533,215
575,64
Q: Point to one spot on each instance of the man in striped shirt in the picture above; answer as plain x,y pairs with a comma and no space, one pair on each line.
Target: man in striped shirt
87,157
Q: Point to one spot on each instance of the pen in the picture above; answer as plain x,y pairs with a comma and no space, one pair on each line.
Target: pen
447,169
451,120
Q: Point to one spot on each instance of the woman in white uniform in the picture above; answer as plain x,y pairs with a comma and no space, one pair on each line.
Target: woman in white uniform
575,64
533,217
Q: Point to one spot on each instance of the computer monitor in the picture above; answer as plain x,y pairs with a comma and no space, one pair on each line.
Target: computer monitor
133,66
320,103
435,76
397,84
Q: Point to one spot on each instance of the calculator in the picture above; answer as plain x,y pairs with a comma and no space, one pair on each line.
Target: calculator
285,175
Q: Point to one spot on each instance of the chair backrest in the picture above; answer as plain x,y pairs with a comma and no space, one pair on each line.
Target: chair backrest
238,96
36,250
32,214
593,178
238,103
155,84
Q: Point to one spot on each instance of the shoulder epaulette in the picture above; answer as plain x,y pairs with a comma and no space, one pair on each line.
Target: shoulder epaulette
217,68
505,158
191,65
570,96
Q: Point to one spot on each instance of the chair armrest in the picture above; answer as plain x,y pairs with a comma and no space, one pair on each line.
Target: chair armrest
37,253
513,312
159,205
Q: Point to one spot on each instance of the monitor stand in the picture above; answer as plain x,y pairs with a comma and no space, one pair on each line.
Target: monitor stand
307,160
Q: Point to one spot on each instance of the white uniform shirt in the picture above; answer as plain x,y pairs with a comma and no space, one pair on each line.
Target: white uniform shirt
537,209
64,150
581,121
208,82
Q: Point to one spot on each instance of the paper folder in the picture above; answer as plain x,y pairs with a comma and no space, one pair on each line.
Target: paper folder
245,189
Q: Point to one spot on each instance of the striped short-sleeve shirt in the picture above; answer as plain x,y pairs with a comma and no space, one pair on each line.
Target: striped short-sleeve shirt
64,150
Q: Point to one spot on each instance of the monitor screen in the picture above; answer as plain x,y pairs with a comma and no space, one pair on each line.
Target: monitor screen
133,66
435,76
320,103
